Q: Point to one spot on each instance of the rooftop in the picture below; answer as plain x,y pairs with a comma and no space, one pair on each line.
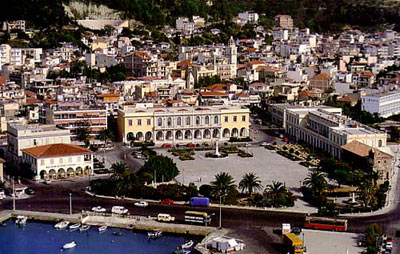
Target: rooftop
56,150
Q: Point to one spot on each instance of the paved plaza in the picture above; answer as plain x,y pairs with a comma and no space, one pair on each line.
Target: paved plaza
326,242
267,165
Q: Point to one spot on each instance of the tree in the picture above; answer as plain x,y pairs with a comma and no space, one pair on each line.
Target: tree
131,138
316,182
119,169
372,233
83,133
367,193
106,135
277,195
250,183
394,133
223,185
163,167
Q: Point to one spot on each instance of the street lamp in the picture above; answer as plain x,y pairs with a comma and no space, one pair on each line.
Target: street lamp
13,193
220,212
70,203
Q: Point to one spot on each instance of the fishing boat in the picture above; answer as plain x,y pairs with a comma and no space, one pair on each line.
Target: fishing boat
187,244
69,245
62,225
117,233
75,226
84,228
154,234
102,229
21,220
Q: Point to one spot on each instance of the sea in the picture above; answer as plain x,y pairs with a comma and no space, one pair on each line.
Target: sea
42,238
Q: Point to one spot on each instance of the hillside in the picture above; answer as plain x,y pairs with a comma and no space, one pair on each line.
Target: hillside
319,15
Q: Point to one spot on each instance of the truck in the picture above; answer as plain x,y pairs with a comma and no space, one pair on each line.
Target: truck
199,201
293,244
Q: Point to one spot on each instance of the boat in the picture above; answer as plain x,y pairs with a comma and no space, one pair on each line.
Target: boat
102,229
84,228
21,220
154,234
187,244
69,245
62,225
117,233
75,226
182,252
3,224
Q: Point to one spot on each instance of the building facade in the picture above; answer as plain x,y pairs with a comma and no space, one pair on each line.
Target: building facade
23,136
180,125
384,104
58,161
330,131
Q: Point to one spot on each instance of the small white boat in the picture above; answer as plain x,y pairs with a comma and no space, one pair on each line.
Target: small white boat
84,228
187,245
154,234
69,245
75,226
102,229
62,225
21,220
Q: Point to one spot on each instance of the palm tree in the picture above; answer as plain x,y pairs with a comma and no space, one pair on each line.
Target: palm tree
223,185
316,182
251,183
119,169
367,192
106,135
83,133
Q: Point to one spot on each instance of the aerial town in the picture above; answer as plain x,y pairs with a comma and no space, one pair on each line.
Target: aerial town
280,140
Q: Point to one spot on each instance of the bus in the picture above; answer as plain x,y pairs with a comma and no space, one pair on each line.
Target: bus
293,243
325,223
197,217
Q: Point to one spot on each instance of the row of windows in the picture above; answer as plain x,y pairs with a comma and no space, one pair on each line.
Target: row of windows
188,120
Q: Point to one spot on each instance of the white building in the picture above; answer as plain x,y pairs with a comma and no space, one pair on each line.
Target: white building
5,52
248,17
384,104
22,136
329,130
58,161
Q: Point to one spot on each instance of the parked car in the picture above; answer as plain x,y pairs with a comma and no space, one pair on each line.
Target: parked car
165,217
166,145
98,209
119,210
192,145
48,181
29,191
141,204
167,201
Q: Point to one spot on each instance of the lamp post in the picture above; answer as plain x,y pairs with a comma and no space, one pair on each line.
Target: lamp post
13,193
220,211
70,203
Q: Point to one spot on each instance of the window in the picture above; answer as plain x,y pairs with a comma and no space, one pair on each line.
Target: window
226,119
197,120
235,118
51,161
188,120
243,118
139,122
215,119
159,122
130,122
87,157
42,162
179,121
148,121
169,121
69,159
60,160
34,142
207,120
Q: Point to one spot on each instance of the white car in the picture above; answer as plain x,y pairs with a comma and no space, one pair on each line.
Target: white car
141,204
119,210
99,209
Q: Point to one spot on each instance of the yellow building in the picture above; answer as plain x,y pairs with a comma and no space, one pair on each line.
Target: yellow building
182,125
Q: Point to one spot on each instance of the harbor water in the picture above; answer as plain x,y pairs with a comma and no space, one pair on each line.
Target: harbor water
43,238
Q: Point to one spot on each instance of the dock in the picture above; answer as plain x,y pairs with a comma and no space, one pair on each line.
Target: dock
139,223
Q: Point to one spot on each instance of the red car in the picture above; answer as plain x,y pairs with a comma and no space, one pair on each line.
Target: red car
166,145
167,201
191,145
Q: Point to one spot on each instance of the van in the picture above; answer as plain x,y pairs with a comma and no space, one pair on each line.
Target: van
119,210
165,217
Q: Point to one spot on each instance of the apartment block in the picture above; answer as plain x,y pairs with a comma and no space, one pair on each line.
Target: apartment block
384,104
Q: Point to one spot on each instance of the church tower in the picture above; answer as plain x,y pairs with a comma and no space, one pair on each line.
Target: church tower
232,51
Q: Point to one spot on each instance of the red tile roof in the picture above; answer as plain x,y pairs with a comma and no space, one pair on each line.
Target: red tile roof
56,150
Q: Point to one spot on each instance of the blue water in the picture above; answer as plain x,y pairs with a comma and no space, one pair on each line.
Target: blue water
37,237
